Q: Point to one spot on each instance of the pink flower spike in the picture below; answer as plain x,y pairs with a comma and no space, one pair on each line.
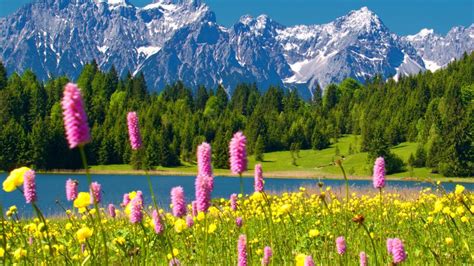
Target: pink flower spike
75,118
258,183
203,193
177,199
233,202
189,221
389,245
111,209
204,159
238,153
363,258
341,245
96,193
126,200
242,251
398,251
71,189
158,226
136,214
238,222
194,208
267,254
379,173
29,186
308,261
134,131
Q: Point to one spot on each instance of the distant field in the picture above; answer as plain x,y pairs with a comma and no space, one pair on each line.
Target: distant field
311,163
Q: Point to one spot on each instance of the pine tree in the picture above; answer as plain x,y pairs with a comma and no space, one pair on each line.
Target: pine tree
13,144
38,143
222,98
259,149
319,140
3,76
201,98
220,148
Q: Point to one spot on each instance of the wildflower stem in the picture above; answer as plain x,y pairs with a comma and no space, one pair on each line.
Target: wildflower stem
41,217
205,240
89,180
381,216
347,196
371,241
241,185
4,238
150,186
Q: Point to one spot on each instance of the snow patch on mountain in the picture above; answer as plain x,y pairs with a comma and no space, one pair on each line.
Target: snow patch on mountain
431,65
148,51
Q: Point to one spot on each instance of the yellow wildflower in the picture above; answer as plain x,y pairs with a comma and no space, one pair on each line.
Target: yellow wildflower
119,240
459,190
68,226
438,206
2,252
449,241
285,208
83,200
15,179
300,258
179,225
175,254
201,216
212,228
19,253
313,233
83,234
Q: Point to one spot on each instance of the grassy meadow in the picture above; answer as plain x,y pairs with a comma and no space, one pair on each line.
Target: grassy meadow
309,163
433,227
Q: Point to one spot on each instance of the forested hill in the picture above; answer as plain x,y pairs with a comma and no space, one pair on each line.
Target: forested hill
433,109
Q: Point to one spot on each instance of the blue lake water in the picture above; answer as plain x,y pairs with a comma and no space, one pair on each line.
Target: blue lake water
51,188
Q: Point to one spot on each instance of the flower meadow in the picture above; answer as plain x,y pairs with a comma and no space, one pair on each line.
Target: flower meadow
306,227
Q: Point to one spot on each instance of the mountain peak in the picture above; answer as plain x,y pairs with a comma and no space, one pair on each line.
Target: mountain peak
113,4
361,18
246,19
422,34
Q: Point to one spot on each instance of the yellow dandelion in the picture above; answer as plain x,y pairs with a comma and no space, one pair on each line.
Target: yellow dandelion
179,225
212,228
83,234
313,233
449,241
15,179
459,189
83,200
19,253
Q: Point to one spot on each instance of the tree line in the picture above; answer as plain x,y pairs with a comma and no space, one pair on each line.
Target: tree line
433,109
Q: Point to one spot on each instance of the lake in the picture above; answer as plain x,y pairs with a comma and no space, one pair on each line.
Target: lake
51,187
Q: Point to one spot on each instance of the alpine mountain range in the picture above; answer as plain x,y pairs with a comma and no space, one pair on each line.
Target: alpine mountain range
180,40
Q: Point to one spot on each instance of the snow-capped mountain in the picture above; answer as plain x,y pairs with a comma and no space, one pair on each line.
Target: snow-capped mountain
436,50
180,40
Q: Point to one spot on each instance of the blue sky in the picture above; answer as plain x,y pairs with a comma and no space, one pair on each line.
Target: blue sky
402,16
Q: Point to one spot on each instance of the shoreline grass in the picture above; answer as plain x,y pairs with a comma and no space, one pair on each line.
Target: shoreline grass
309,164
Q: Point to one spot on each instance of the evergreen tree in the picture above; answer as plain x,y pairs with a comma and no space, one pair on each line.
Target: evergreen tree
319,140
13,144
201,98
221,149
3,76
259,149
222,98
38,143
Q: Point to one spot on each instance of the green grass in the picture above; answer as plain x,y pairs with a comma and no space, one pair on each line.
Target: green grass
310,163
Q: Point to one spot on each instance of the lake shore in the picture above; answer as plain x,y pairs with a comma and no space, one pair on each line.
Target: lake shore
249,174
